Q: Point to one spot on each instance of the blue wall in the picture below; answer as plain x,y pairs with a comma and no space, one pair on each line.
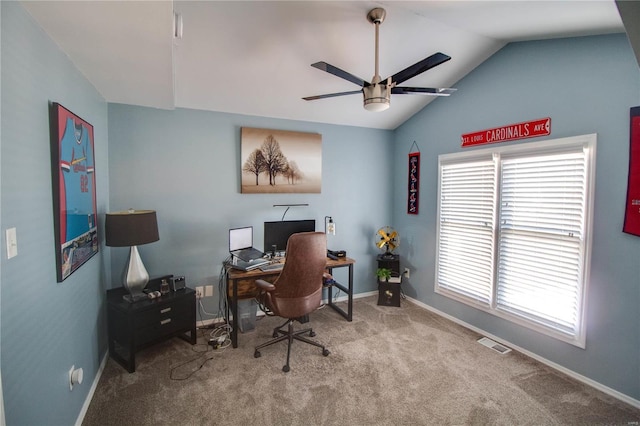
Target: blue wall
586,85
185,164
45,326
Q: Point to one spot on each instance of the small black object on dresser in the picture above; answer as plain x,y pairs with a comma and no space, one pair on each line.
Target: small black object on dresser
133,326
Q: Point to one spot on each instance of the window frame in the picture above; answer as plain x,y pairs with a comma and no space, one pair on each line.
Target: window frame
588,144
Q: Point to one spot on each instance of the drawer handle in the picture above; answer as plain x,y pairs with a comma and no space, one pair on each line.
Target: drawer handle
166,321
165,310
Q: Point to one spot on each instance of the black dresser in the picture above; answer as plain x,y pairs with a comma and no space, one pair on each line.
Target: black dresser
133,326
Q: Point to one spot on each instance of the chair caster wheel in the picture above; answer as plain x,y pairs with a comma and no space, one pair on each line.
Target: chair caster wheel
257,354
312,333
285,368
325,352
275,334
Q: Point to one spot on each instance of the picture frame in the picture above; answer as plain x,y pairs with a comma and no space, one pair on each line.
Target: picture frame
632,210
74,190
280,161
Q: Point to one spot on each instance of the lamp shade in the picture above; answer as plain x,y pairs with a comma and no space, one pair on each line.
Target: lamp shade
131,228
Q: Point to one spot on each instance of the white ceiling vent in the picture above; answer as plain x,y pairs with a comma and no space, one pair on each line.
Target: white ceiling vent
485,341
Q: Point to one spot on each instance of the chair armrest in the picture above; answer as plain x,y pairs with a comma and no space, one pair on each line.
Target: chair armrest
264,285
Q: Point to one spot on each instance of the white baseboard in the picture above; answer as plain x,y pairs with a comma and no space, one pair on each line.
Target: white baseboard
579,377
208,323
344,298
94,385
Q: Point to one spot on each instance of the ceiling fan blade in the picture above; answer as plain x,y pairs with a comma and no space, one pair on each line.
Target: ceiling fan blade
422,91
420,67
331,95
323,66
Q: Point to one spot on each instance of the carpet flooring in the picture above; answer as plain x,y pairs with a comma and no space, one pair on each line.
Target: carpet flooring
389,366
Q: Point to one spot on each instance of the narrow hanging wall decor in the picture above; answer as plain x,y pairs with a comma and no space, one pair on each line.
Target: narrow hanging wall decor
413,187
632,213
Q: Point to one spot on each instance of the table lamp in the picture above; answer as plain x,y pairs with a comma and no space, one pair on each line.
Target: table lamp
132,228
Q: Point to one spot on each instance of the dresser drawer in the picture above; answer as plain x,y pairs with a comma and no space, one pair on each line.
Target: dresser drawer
162,312
162,328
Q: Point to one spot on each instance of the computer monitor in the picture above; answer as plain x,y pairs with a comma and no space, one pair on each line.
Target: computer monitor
277,233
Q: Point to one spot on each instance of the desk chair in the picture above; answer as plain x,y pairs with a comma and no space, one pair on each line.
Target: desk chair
298,289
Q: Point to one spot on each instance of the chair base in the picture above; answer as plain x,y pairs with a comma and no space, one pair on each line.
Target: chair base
279,335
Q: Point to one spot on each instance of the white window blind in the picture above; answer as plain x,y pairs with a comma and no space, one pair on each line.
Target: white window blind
541,238
512,232
467,214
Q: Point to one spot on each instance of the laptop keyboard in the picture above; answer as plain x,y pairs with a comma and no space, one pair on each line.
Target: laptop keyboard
249,254
272,267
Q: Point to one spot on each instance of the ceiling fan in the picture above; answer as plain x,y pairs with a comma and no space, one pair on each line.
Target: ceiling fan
377,94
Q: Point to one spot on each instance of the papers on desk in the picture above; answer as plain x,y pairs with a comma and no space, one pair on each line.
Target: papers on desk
272,267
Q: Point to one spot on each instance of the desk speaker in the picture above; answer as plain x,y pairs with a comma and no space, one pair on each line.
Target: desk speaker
178,283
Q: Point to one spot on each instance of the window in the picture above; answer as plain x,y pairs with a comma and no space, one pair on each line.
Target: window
514,232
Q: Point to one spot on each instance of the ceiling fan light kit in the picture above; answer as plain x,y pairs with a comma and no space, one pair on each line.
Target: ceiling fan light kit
376,97
377,93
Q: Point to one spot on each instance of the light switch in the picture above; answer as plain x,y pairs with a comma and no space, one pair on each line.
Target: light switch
12,243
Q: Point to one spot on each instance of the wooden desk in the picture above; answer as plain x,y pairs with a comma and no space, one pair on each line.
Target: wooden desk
241,285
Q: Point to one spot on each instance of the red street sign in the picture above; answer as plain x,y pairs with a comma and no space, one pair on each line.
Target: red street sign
527,129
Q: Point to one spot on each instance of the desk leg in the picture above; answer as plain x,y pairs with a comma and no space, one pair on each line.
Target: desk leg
349,290
234,311
350,295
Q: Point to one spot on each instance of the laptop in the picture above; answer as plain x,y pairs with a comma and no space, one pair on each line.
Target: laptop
242,265
241,244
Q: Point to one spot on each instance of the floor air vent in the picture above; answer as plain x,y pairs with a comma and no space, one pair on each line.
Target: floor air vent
485,341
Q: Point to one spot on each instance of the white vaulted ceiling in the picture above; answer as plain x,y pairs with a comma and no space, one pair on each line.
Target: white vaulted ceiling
253,57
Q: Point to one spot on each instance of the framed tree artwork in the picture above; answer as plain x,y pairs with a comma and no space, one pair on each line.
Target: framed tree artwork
74,190
279,161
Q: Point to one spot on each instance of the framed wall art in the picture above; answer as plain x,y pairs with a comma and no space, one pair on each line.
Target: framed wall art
279,161
74,190
632,212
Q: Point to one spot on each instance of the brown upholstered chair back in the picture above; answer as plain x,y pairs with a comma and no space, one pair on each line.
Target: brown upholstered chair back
299,285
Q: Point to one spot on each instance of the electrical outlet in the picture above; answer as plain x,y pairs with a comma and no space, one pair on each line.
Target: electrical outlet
407,273
208,291
199,292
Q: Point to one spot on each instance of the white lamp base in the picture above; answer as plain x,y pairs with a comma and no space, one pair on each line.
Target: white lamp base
135,277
